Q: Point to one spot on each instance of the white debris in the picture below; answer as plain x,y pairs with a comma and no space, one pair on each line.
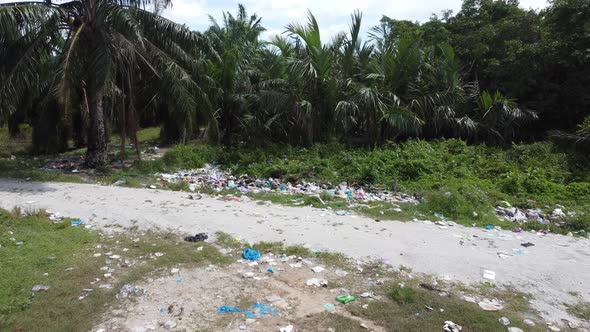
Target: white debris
318,269
38,288
451,327
317,282
491,305
489,275
288,328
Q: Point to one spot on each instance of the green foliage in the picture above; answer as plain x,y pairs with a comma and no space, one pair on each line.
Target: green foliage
402,295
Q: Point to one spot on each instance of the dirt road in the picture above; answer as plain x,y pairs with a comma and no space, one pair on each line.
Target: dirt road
553,271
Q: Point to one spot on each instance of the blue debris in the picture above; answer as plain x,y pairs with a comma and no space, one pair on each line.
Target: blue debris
261,310
225,308
271,270
251,254
489,227
257,311
77,222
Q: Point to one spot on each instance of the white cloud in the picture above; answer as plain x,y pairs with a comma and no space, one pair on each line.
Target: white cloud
332,15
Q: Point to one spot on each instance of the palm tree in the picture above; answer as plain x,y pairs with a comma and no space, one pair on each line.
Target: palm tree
579,140
236,42
313,64
96,47
496,116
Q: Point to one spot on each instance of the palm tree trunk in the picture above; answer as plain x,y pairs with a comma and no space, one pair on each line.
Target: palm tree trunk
96,155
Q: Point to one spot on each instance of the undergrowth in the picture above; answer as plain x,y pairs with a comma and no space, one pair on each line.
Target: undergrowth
459,181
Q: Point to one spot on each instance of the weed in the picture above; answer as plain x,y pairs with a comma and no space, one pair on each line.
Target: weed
580,310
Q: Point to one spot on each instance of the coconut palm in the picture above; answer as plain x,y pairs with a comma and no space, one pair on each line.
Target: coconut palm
313,64
96,48
496,116
236,42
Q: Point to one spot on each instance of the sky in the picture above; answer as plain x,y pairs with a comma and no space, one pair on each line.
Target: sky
332,15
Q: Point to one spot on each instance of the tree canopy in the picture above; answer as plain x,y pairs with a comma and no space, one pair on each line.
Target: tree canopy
493,72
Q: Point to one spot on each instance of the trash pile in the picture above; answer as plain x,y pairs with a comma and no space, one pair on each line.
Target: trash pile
75,163
522,216
65,163
213,177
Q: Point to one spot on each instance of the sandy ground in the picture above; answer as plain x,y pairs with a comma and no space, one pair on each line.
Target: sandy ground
174,299
553,271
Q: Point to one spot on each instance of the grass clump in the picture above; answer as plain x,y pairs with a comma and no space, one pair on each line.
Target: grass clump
408,308
580,310
402,295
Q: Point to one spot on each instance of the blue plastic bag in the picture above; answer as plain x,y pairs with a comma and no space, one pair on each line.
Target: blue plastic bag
251,254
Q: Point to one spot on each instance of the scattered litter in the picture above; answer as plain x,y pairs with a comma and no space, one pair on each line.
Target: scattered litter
341,273
491,305
317,282
169,325
195,197
128,290
77,222
159,254
504,321
175,310
260,310
528,322
174,271
428,308
38,288
346,298
318,269
528,244
489,275
225,308
197,238
514,329
288,328
344,213
470,299
451,327
553,328
243,327
271,270
329,306
518,252
429,287
273,298
251,254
